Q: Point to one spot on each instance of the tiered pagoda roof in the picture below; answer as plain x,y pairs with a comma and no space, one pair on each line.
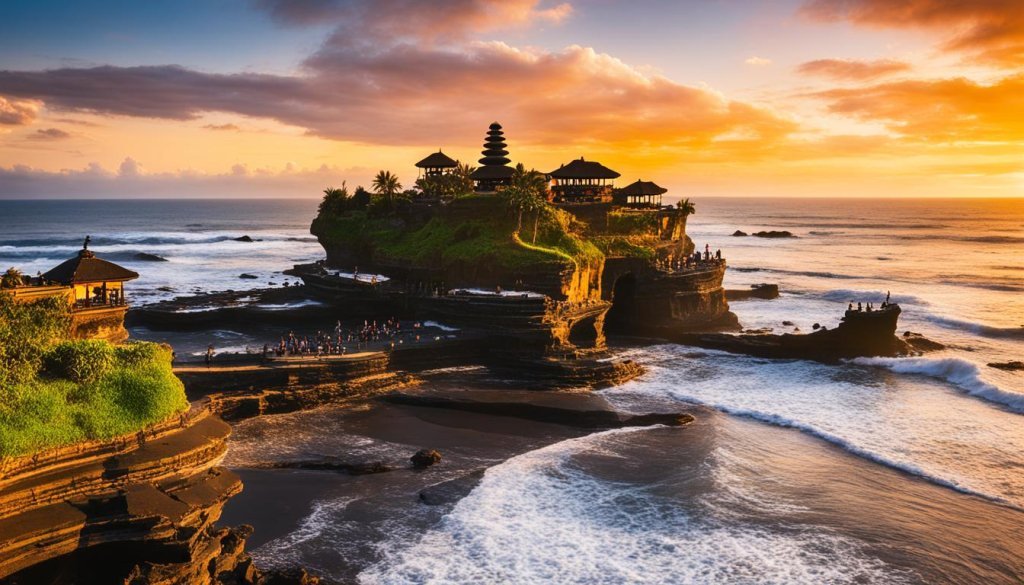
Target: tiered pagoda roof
494,163
583,169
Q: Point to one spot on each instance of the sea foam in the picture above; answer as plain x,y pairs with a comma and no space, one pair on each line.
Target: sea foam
541,517
962,373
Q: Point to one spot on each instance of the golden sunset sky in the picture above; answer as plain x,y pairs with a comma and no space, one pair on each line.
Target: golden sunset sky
208,98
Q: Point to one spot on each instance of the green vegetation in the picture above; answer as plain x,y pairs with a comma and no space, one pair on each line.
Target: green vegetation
627,246
686,207
475,229
449,185
630,223
55,391
12,278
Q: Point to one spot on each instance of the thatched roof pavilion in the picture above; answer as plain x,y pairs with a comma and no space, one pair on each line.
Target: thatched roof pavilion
582,181
640,194
437,163
97,282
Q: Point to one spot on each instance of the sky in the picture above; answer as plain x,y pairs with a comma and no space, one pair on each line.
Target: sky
282,98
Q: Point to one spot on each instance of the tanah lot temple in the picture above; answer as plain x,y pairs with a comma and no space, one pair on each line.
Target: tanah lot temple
585,188
94,289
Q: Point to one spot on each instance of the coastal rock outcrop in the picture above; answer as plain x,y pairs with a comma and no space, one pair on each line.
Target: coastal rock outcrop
859,334
774,234
1014,366
739,234
147,257
756,291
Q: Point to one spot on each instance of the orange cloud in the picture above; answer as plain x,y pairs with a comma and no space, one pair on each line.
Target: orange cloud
18,112
409,94
850,69
938,110
991,31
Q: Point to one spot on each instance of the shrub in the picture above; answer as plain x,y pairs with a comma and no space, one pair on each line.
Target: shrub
134,353
26,330
80,361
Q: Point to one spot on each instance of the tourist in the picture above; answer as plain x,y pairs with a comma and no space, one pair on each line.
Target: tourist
718,254
859,307
209,354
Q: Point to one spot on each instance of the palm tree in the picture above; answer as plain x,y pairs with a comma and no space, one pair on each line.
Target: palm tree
386,184
11,279
334,199
686,207
464,182
525,194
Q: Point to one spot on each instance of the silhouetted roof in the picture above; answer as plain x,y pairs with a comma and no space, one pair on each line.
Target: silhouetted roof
438,160
492,172
583,169
642,188
86,267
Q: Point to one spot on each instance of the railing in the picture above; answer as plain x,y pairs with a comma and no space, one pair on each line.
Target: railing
99,303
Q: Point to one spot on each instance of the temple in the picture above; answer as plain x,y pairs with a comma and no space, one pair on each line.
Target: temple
582,181
436,164
93,287
494,170
640,195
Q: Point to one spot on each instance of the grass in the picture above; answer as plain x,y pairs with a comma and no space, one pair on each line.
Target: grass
481,232
57,392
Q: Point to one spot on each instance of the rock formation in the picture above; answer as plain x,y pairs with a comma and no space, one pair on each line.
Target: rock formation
139,509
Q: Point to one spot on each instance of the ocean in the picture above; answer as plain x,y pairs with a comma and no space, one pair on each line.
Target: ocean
875,470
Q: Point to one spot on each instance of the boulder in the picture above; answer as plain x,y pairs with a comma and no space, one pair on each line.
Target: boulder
739,234
1014,366
787,324
425,458
243,239
248,276
146,257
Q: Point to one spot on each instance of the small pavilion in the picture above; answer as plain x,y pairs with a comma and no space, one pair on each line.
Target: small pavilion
582,181
493,170
640,195
97,283
436,164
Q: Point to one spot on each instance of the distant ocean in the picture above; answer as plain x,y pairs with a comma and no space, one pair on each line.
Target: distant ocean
873,470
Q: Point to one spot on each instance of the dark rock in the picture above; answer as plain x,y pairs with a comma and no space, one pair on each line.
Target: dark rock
920,342
759,291
425,458
146,257
739,233
816,326
165,288
246,275
332,464
788,324
1008,366
672,419
292,576
243,239
774,234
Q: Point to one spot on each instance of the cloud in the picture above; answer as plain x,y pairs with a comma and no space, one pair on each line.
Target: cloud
851,69
223,127
943,110
989,31
18,112
413,94
49,134
373,21
758,61
22,181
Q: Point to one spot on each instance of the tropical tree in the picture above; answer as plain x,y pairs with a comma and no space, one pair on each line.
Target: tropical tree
463,174
335,200
686,207
12,278
386,185
525,194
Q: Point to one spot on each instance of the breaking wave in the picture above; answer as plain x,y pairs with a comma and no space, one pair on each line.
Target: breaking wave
961,373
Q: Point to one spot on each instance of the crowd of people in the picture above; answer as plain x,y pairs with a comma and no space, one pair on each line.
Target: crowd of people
695,260
339,341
